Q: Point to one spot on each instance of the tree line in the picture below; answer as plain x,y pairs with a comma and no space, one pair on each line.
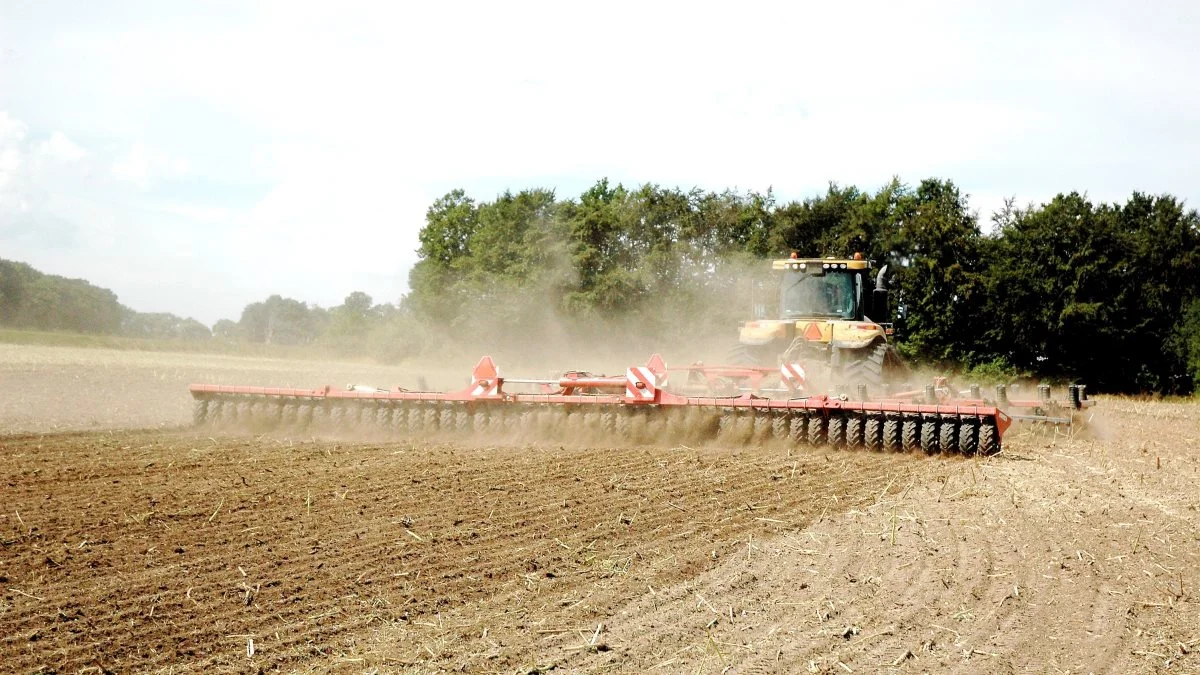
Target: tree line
1102,293
32,300
1107,294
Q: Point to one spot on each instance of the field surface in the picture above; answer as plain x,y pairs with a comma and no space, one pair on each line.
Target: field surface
129,542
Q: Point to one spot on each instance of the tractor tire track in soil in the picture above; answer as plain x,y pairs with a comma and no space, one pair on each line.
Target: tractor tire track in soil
149,550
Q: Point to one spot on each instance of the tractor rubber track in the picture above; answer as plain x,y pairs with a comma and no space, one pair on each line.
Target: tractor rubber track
616,424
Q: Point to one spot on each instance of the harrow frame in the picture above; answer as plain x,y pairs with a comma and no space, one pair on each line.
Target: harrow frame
636,406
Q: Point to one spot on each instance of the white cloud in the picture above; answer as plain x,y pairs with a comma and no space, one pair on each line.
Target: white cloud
12,139
59,148
140,166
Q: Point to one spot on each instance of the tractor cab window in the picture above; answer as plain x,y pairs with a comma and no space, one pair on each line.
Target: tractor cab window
825,295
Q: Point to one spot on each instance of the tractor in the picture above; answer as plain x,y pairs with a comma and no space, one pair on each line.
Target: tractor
831,313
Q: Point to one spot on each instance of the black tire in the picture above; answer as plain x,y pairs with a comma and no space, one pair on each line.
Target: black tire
762,425
864,366
287,419
836,430
725,424
383,417
929,437
891,434
621,426
304,415
318,421
751,355
948,435
199,411
608,423
910,431
779,426
875,366
988,443
967,438
816,431
796,430
854,431
873,434
416,419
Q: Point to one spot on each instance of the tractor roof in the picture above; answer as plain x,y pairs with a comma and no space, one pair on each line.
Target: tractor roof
821,263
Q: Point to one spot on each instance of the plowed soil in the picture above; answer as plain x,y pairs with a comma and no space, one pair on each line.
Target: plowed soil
132,549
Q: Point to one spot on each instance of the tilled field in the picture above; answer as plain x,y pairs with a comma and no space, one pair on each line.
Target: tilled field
142,550
173,550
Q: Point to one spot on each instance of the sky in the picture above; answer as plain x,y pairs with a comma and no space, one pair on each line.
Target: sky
194,157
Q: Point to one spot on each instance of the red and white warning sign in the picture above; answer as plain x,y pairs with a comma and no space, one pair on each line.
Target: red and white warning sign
793,376
640,384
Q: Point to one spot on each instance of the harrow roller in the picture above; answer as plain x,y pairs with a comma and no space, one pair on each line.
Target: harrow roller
631,409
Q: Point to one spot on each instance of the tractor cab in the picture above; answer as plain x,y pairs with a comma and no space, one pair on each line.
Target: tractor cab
822,303
829,289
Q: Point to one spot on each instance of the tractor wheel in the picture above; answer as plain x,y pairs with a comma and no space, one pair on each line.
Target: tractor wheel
873,366
746,355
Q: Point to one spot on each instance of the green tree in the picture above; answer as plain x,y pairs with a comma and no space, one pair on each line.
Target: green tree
933,243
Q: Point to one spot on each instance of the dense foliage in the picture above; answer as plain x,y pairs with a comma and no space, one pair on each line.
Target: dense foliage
1106,293
32,300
